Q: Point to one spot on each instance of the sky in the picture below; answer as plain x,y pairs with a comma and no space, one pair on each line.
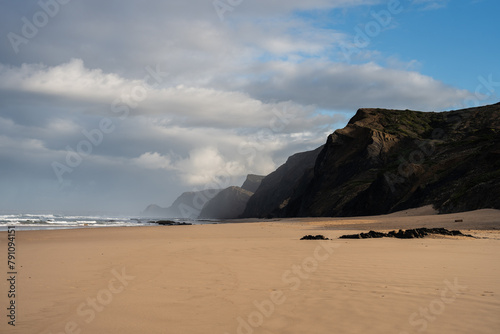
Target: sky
109,106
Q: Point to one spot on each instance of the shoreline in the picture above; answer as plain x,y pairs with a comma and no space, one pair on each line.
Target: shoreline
399,220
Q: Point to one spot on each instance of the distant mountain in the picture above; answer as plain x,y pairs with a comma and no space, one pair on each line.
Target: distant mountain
187,205
389,160
210,203
154,210
229,203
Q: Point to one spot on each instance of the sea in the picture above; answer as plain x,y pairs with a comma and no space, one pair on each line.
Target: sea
56,221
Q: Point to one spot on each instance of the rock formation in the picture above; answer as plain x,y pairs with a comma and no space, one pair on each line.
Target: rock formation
211,203
252,182
188,205
389,160
228,204
406,234
277,188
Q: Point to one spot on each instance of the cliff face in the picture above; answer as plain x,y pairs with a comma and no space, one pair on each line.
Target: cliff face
210,203
277,188
252,182
187,205
389,160
231,202
227,204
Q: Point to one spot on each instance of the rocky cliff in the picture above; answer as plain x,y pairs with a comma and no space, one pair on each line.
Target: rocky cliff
277,188
231,202
210,203
252,182
227,204
187,205
389,160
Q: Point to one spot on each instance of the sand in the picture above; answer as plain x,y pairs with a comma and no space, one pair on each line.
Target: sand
259,278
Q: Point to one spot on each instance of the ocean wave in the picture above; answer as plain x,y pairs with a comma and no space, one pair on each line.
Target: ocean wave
54,221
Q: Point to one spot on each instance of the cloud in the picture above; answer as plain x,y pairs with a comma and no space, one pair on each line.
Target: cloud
110,95
154,160
68,80
206,164
189,37
342,86
203,166
430,4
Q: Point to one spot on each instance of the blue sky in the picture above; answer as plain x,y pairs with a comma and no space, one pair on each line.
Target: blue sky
195,96
455,42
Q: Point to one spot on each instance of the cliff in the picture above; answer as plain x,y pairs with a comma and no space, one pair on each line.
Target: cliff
210,203
277,188
389,160
252,182
227,204
187,205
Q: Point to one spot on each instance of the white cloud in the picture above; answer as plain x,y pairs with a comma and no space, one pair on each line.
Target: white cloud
154,160
203,167
206,165
71,80
77,87
26,145
431,4
342,86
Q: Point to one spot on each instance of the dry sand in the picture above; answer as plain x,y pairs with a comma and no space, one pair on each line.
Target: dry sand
259,278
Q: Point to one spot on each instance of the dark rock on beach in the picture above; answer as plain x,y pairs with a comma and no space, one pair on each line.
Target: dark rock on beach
408,234
314,237
170,223
372,234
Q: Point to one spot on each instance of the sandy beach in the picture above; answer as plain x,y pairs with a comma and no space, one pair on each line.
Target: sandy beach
259,278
